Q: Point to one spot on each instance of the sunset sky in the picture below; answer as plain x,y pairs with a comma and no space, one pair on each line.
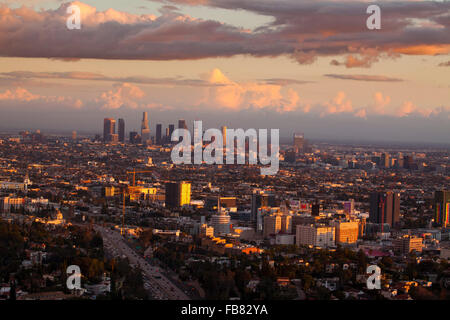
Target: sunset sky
307,66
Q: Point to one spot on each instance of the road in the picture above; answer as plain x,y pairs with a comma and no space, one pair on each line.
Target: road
158,284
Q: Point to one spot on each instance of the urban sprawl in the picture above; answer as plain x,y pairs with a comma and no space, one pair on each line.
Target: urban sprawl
141,227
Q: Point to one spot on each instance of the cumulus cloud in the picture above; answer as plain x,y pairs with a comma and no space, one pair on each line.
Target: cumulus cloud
122,95
251,95
408,108
22,95
378,107
339,104
302,30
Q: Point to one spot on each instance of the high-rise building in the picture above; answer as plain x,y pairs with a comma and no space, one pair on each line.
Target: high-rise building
315,209
261,199
121,130
182,124
385,208
224,135
109,128
442,208
346,231
74,135
349,207
315,235
178,194
158,134
408,162
299,142
145,129
171,129
272,225
167,136
134,137
286,223
385,160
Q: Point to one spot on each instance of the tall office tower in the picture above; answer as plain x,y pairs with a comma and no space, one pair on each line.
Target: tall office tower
167,136
408,162
145,129
286,223
400,160
109,128
121,130
385,208
349,207
272,225
442,208
299,142
346,231
260,199
159,134
385,160
224,135
315,209
171,129
182,124
178,194
134,137
196,133
74,135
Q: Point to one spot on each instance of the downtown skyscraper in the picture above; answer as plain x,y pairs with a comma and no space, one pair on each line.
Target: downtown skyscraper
385,208
442,208
121,130
109,129
145,129
158,137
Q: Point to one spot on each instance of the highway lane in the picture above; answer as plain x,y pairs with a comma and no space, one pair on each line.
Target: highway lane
157,283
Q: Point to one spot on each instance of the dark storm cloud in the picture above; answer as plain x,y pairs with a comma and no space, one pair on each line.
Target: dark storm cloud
301,30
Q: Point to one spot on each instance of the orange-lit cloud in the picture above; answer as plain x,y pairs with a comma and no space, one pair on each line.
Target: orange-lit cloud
251,95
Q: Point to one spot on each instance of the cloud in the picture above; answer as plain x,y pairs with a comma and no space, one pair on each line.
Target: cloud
408,108
362,77
122,95
339,104
378,107
251,95
444,64
284,82
22,95
301,30
90,76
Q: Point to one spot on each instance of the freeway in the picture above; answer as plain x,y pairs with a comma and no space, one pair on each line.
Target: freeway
158,284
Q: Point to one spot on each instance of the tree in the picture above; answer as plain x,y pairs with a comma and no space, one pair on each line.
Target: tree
12,292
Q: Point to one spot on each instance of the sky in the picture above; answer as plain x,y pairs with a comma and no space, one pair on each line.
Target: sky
307,66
